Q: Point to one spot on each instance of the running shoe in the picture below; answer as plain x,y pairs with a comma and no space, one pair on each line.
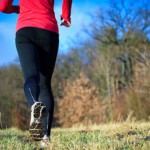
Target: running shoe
36,129
45,141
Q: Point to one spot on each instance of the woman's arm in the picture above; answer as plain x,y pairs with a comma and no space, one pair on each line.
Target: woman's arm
12,9
66,13
7,7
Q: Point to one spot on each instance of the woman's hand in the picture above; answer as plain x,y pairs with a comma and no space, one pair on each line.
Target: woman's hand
16,9
65,23
11,9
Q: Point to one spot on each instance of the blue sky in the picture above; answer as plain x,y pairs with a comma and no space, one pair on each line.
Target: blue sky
80,16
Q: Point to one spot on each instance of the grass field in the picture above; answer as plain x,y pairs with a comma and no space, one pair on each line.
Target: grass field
123,136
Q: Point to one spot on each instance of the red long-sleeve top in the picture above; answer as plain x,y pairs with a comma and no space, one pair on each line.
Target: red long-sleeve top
37,13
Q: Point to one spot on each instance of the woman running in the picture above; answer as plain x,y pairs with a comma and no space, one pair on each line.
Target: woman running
37,40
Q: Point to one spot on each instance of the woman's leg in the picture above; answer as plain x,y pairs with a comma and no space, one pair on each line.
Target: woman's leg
47,63
29,60
28,52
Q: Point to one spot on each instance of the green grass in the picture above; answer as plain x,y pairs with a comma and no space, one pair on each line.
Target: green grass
123,136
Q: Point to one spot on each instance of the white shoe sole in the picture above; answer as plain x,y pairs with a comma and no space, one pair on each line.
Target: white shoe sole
36,129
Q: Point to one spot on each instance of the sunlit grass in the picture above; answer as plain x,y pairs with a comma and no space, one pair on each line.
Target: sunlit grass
113,136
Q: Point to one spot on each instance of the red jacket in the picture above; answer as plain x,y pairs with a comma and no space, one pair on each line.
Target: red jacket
37,13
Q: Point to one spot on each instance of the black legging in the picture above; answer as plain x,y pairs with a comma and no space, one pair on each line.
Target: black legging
37,50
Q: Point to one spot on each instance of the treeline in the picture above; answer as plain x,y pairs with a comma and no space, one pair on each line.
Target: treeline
106,78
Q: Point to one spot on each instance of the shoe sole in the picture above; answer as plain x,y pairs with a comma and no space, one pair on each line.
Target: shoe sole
36,129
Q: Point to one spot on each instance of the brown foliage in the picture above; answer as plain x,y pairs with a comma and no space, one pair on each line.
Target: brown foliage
80,104
135,99
13,106
21,116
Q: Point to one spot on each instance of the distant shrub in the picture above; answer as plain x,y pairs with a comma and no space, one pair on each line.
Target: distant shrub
136,99
21,115
13,106
80,104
